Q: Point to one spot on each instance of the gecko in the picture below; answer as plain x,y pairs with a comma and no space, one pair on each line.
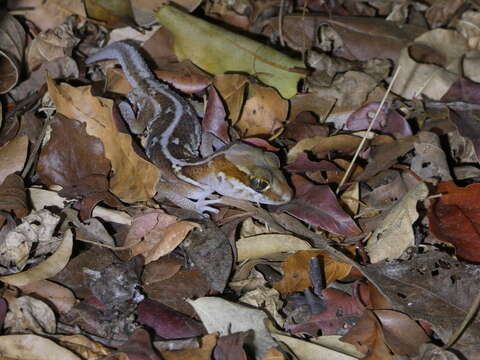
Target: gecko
173,135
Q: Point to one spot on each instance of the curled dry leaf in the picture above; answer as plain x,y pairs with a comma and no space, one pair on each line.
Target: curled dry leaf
318,206
320,144
395,233
216,50
204,352
264,112
13,196
232,90
61,297
265,244
134,178
368,337
51,44
160,234
48,268
12,45
33,347
13,156
308,351
34,233
88,349
433,64
224,317
296,275
27,314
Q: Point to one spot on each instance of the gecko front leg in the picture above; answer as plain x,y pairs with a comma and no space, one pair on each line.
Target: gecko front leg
181,194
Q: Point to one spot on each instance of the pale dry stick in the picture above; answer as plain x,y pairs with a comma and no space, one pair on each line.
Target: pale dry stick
364,139
115,248
470,315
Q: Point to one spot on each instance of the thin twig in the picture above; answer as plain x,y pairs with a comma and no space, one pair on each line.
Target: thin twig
364,139
36,148
470,315
280,23
115,248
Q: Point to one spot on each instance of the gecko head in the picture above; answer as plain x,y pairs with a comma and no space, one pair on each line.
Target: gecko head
249,173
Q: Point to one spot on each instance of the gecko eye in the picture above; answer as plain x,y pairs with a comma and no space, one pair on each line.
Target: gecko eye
259,183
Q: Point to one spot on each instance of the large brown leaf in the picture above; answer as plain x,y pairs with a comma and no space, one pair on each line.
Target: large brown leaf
318,206
134,178
77,163
436,288
455,218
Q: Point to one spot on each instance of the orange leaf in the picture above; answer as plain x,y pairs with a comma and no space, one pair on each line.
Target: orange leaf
455,218
296,271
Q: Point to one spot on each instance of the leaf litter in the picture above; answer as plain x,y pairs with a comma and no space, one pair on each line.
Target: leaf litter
371,109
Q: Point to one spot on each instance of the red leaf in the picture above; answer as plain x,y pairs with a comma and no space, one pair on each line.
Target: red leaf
455,218
318,206
167,322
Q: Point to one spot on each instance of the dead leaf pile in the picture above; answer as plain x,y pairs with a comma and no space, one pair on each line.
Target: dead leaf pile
372,109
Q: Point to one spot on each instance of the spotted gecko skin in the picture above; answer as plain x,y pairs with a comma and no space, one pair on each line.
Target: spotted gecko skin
169,117
173,139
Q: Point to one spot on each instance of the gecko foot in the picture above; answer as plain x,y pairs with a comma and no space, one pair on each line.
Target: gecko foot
202,206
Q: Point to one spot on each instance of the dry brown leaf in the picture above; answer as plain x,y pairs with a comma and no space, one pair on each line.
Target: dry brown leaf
173,235
50,267
27,314
395,233
231,88
134,178
60,296
323,144
33,347
273,354
309,351
13,156
296,275
266,244
207,344
160,234
88,349
264,112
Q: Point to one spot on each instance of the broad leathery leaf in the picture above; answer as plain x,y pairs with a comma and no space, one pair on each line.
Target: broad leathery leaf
216,50
89,349
265,244
50,267
134,178
33,347
60,296
224,317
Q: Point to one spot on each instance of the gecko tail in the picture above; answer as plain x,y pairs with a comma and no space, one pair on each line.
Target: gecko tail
129,58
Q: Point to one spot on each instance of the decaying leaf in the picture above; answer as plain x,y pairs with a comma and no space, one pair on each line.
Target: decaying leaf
29,314
48,268
219,315
134,178
296,275
395,233
33,347
13,156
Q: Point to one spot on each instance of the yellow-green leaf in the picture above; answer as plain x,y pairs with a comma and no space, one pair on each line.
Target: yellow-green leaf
217,50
